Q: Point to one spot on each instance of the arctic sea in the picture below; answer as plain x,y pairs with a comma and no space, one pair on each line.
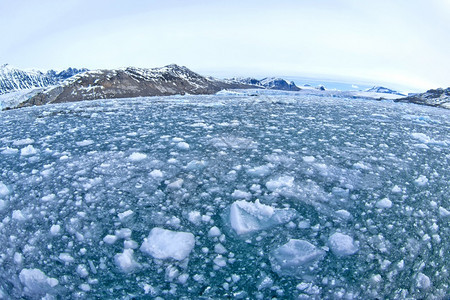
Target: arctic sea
235,195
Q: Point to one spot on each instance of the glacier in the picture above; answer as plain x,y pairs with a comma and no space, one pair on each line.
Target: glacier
235,195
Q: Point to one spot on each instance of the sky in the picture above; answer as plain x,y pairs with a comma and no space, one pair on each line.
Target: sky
403,44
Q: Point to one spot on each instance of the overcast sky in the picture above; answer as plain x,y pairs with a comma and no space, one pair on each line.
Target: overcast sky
402,42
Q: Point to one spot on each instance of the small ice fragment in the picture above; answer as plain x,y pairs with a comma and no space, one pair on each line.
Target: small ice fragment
66,257
195,217
36,282
183,146
384,203
84,143
423,281
28,151
157,174
295,257
23,142
309,159
420,137
220,249
342,244
125,214
130,244
443,212
110,239
124,233
10,151
260,171
343,214
49,197
3,190
136,156
164,244
125,261
55,229
265,283
175,185
214,232
396,189
280,183
220,261
238,194
17,215
82,271
183,278
421,180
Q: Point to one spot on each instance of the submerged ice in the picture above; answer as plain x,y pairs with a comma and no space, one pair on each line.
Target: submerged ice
275,195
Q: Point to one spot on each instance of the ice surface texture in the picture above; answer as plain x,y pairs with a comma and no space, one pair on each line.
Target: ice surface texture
227,196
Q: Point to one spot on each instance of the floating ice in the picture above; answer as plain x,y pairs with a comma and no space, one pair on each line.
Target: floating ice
295,258
420,137
28,151
3,190
421,180
214,232
384,203
125,261
23,142
280,183
55,229
36,282
183,146
423,281
136,156
84,143
247,217
157,174
164,244
309,159
342,244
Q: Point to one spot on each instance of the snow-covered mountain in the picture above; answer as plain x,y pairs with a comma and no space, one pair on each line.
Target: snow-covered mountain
271,83
131,82
384,90
13,79
438,97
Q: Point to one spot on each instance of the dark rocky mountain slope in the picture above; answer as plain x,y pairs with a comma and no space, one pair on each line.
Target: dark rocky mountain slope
438,98
131,82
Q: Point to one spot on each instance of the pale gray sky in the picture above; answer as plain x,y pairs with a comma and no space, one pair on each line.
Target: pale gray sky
402,42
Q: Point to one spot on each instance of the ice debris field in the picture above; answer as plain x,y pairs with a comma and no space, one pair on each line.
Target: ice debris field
227,196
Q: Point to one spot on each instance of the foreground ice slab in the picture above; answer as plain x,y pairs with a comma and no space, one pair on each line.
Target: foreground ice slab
295,258
167,244
247,217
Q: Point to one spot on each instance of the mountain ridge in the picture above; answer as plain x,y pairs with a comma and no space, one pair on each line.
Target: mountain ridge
13,79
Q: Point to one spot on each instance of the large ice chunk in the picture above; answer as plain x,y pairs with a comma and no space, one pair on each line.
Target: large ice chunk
295,258
248,217
167,244
342,244
36,282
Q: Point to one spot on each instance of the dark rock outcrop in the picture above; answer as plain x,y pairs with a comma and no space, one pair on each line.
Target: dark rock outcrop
438,98
271,83
384,90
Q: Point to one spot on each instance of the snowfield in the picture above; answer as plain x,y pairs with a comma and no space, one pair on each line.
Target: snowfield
274,195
